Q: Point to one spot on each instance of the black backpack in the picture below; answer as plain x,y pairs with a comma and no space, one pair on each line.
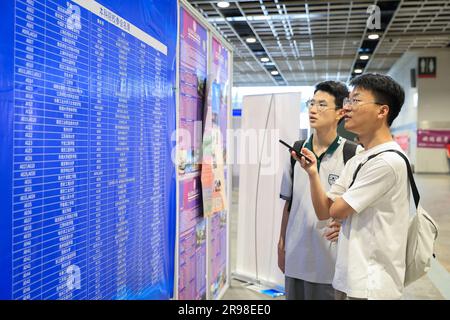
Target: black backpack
349,151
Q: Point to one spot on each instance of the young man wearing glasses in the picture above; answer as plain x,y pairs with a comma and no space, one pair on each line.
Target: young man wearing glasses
374,207
307,246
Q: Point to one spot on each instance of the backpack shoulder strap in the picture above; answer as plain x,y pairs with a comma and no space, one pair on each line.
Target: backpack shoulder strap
349,150
412,183
297,147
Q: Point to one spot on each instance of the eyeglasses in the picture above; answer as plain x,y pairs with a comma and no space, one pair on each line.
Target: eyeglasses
356,103
321,106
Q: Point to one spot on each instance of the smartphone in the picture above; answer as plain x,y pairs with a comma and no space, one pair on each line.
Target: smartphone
299,154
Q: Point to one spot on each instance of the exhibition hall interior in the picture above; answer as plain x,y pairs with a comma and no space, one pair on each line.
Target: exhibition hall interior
140,155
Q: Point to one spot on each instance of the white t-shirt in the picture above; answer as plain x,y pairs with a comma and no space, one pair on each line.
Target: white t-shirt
372,242
309,255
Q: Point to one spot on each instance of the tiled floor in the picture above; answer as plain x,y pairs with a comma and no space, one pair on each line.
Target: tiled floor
435,198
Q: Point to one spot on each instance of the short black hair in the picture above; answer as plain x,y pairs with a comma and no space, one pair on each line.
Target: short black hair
385,89
337,89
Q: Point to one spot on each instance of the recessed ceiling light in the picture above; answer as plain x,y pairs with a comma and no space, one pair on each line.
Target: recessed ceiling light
358,71
364,57
223,4
250,40
274,72
265,59
374,36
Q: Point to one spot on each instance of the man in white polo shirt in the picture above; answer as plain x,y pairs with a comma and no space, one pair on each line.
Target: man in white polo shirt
307,248
374,206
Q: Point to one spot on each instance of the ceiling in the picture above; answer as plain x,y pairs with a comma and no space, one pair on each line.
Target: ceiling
310,41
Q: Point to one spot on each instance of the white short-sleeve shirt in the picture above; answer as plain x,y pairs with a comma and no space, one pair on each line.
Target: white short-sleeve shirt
372,241
309,255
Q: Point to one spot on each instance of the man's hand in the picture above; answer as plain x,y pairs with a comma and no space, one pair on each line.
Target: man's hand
310,167
281,256
332,233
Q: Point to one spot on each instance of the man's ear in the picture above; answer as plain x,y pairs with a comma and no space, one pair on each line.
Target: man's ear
383,112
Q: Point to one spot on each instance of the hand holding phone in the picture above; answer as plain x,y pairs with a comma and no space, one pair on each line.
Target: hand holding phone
298,153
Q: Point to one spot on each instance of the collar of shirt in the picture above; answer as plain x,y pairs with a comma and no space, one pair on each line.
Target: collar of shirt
383,146
330,150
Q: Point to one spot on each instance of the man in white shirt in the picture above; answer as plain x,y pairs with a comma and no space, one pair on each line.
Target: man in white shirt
307,248
375,207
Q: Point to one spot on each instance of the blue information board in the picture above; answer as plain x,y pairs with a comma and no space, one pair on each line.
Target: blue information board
87,184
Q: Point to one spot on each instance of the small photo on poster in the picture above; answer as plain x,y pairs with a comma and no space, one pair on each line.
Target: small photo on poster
200,230
223,219
190,144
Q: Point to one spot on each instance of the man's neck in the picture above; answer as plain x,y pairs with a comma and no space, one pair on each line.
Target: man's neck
324,137
380,136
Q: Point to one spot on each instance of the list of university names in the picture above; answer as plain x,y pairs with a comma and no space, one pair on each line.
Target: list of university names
89,138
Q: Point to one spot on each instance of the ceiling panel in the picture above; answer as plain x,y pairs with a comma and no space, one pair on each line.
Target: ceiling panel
309,41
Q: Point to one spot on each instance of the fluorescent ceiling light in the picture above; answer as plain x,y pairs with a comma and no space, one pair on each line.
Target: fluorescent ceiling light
250,40
374,36
358,71
223,4
265,59
364,57
277,17
274,73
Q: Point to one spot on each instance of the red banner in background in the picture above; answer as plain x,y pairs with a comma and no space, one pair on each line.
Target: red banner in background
403,141
433,138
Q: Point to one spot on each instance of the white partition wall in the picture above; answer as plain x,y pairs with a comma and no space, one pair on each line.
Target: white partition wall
265,120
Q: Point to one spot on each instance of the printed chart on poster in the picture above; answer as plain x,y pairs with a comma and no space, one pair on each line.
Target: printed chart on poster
87,180
219,111
214,134
193,60
192,225
192,242
218,253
